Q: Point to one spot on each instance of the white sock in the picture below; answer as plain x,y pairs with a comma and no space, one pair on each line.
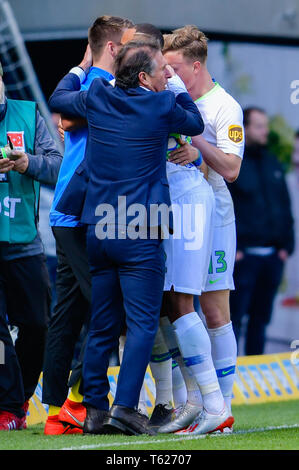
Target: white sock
195,347
184,382
161,368
193,393
179,390
224,354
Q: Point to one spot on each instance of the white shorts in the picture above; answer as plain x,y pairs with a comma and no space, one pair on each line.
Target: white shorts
222,260
188,250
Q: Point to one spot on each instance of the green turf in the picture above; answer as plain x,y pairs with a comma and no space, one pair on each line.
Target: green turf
249,419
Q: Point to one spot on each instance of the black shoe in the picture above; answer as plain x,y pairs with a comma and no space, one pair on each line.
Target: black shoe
94,420
160,416
123,420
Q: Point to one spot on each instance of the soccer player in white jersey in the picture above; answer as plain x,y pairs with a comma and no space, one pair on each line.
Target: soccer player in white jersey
221,145
186,276
187,261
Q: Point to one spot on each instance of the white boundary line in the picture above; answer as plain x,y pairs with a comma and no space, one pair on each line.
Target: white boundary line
103,445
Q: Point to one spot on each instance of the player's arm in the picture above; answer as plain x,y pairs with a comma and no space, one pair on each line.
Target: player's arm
67,98
226,164
185,154
69,123
185,119
226,157
204,169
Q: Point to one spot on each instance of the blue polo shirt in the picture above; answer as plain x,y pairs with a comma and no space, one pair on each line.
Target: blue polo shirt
74,145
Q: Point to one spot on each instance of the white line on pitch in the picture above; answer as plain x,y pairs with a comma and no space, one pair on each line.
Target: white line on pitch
176,439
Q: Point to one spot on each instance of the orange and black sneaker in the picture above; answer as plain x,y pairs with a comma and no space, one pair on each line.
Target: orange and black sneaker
73,413
54,427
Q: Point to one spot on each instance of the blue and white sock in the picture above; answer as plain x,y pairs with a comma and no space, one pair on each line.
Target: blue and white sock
179,390
161,368
184,386
195,347
224,354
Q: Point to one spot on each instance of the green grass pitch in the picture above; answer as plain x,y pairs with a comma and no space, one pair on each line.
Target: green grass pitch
270,426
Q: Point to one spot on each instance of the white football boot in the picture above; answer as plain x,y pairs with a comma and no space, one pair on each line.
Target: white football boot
206,423
186,417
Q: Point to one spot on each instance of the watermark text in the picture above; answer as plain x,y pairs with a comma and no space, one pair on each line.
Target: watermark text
294,98
157,220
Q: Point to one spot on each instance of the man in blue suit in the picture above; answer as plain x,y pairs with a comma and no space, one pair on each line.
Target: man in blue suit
127,142
73,281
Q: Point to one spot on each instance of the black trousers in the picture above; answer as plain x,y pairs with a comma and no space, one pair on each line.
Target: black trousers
257,279
71,314
25,299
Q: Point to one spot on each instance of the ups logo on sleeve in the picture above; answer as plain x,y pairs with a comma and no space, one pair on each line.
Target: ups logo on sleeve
235,133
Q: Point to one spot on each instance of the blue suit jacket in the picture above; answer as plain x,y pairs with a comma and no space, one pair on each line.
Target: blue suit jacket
127,143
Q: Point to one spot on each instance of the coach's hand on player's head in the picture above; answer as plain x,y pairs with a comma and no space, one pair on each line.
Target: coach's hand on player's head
184,154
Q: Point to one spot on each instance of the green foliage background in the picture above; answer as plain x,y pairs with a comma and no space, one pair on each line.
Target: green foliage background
281,140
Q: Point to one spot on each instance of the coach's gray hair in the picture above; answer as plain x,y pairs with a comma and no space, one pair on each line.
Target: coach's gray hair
135,57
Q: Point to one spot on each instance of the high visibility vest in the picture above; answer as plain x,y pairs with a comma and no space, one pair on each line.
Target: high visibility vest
19,194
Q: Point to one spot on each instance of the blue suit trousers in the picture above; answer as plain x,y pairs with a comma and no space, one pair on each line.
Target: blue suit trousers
127,288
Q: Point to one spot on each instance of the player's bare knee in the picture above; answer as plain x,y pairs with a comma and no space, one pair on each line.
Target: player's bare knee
215,316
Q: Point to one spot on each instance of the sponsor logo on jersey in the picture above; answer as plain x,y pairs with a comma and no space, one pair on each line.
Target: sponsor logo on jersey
235,133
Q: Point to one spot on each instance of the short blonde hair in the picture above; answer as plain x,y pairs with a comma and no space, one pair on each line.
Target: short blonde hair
190,41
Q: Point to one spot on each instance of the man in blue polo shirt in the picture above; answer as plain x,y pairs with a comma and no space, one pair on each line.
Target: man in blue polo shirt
73,284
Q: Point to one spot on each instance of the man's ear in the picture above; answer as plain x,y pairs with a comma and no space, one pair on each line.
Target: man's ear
197,66
112,48
143,79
